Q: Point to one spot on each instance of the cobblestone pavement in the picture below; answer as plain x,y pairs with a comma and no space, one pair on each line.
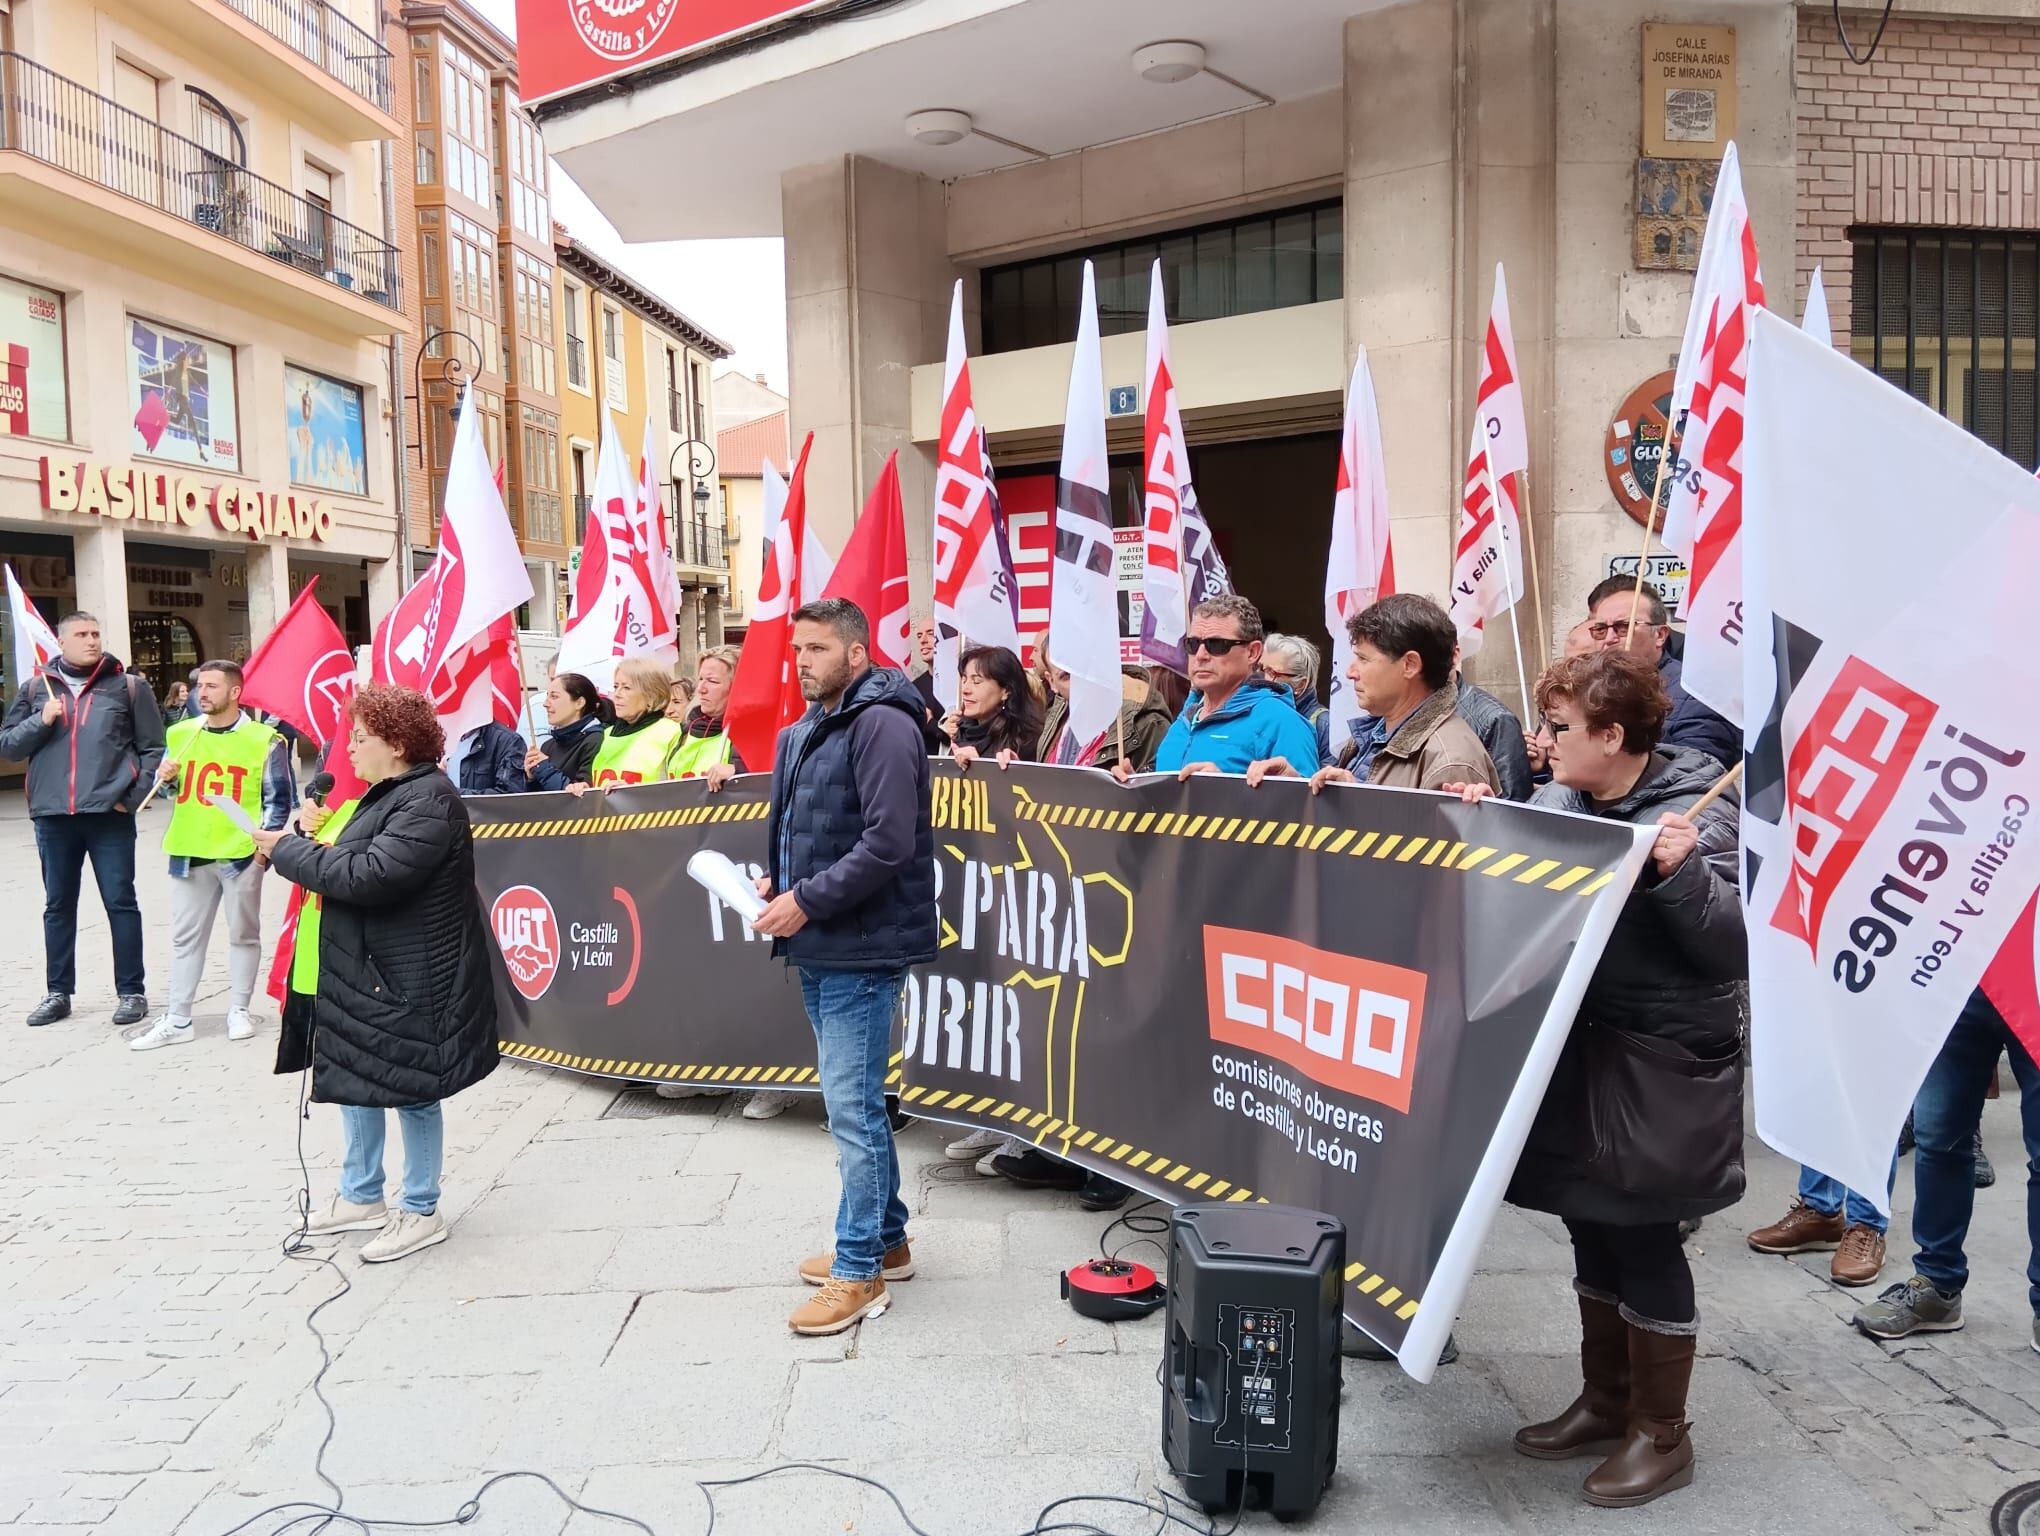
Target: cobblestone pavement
611,1310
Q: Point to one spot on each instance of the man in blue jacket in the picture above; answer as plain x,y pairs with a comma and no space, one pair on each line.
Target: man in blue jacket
1233,717
852,906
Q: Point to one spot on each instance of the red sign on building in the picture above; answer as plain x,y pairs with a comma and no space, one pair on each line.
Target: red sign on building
563,45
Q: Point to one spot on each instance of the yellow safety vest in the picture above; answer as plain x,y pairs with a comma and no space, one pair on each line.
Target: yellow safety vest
218,765
639,758
304,955
698,754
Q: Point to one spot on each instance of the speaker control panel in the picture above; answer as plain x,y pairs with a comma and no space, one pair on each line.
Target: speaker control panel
1260,1375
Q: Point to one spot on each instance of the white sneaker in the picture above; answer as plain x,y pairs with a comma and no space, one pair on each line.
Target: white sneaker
766,1106
1006,1144
688,1091
346,1216
974,1146
239,1025
168,1030
406,1233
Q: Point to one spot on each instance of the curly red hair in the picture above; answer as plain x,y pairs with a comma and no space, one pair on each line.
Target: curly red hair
402,718
1610,688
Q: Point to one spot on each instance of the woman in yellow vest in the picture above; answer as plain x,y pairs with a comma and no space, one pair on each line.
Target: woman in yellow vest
707,742
639,748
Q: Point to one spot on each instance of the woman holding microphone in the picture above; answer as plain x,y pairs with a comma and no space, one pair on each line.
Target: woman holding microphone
392,999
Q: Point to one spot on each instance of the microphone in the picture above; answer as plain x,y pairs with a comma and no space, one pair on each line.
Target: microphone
320,787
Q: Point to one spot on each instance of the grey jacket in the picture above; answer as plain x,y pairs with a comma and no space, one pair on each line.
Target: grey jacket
101,754
1671,970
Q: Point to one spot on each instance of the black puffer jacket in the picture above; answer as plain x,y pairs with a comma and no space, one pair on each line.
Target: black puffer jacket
569,755
406,1010
1670,970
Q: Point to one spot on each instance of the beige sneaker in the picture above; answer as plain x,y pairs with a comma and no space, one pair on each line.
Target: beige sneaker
688,1091
898,1264
769,1105
404,1236
838,1305
346,1216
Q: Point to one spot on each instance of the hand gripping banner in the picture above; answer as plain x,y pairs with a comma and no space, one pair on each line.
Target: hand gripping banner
1351,1002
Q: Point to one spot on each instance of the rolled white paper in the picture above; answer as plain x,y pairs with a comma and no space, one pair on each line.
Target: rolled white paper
231,809
717,874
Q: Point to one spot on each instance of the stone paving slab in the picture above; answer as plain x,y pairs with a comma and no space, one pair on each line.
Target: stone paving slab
610,1310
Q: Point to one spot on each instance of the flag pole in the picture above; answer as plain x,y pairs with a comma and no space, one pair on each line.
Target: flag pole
1536,582
1657,492
1716,790
1515,619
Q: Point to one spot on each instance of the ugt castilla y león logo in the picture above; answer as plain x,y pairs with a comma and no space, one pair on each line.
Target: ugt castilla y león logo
529,936
621,29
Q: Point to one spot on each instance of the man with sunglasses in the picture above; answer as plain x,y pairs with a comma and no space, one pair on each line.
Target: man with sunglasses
1233,717
1614,608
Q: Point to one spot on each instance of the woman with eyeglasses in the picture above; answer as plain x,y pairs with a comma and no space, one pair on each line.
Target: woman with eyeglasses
996,716
1642,1124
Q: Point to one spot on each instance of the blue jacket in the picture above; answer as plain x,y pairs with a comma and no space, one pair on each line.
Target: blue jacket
1320,719
850,832
1261,720
494,765
1693,724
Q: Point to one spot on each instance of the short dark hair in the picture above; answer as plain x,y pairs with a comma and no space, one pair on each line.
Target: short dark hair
230,670
1654,600
841,615
584,693
1238,609
1611,688
76,616
402,717
1404,622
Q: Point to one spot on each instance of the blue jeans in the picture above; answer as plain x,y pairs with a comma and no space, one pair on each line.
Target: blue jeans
1827,1196
361,1174
852,1013
64,843
1945,1116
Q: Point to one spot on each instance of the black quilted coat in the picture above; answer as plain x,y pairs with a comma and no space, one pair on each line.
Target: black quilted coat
406,1010
1670,971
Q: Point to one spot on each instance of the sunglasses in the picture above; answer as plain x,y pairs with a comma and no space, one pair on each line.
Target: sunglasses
1217,645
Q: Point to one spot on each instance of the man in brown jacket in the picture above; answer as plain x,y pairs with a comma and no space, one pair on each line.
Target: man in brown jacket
1404,650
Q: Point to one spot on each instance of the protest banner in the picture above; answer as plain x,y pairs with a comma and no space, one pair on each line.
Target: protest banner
1350,1002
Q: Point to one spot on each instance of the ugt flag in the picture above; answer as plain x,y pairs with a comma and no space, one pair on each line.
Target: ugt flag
1083,614
1168,499
619,599
35,643
873,571
1892,751
765,694
974,594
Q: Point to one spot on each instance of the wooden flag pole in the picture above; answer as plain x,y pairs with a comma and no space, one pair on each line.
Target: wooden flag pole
1715,791
1545,657
1657,493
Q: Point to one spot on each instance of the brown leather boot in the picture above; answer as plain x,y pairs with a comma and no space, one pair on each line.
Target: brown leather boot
1593,1425
1656,1454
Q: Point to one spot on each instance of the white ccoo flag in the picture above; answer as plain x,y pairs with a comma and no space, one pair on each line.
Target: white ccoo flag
1888,763
1704,500
973,589
1815,321
1083,618
1487,563
1165,472
1361,567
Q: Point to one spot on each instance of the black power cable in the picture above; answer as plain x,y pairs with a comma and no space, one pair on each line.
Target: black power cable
1848,47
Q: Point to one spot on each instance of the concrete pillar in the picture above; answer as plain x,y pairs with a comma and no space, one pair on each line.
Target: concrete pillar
868,278
1449,168
99,553
387,580
268,588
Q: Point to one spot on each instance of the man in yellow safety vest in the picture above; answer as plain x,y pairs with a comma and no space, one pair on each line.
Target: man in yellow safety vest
219,759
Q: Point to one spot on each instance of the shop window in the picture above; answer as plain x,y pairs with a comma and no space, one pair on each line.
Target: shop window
1953,318
166,648
1236,267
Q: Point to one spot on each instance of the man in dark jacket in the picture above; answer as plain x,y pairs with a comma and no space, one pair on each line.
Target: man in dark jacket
1613,610
852,905
92,737
489,760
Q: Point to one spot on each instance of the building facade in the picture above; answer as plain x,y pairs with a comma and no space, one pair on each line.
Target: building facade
198,300
484,302
1351,178
628,352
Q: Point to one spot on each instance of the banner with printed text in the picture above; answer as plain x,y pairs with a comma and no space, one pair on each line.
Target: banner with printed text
1349,1002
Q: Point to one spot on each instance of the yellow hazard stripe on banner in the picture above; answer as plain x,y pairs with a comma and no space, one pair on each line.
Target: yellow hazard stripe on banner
638,821
647,1071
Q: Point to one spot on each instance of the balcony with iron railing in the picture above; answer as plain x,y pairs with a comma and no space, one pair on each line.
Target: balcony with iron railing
702,546
331,41
577,361
327,269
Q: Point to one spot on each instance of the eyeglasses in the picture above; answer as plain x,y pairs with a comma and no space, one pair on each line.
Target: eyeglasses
1276,674
1217,645
1546,726
1601,629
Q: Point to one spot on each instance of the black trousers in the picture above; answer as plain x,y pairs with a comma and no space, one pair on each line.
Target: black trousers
1642,1267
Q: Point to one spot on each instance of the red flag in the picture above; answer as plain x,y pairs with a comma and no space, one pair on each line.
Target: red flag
2013,981
765,694
873,570
302,672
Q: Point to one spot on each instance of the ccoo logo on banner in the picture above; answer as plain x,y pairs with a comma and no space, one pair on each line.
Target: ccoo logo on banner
1384,980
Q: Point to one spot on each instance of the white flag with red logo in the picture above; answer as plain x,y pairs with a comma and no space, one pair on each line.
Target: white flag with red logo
1498,398
619,609
973,588
1083,613
649,528
481,682
1891,770
1361,568
35,643
477,577
1704,500
1487,561
1168,499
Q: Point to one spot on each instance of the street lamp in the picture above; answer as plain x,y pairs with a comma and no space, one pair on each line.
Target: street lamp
700,470
453,370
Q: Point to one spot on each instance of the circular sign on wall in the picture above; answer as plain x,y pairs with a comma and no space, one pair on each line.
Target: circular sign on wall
621,29
1636,445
